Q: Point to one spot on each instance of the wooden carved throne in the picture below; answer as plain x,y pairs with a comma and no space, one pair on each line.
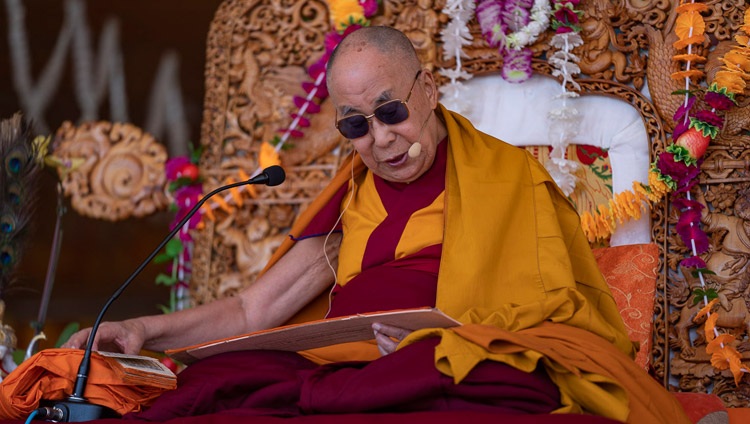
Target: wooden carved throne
258,54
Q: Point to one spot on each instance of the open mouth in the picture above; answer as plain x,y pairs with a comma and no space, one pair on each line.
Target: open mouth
397,160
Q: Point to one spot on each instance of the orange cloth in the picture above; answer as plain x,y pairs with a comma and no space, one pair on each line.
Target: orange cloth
591,373
50,375
524,262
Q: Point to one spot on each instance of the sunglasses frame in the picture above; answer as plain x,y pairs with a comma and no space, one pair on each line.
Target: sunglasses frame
369,117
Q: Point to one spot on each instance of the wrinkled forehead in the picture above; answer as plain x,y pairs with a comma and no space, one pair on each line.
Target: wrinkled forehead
360,81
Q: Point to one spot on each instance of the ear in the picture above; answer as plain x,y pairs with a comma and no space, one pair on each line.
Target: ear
430,87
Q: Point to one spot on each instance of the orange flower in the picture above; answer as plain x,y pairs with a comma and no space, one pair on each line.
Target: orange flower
743,40
710,326
693,74
719,343
705,310
268,155
723,356
681,44
656,188
730,80
588,225
626,205
734,59
689,24
689,58
692,7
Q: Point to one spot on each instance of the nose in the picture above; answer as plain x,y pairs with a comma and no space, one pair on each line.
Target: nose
381,133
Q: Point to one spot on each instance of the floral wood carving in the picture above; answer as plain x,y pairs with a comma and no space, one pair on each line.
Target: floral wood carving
122,174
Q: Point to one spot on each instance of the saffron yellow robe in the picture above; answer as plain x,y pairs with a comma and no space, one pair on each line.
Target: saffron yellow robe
516,264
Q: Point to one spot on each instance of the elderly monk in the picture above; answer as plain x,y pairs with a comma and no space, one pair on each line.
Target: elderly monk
428,212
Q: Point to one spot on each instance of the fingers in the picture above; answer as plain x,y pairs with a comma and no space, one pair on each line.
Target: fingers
388,337
78,340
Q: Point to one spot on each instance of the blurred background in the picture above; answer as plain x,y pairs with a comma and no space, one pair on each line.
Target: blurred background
159,46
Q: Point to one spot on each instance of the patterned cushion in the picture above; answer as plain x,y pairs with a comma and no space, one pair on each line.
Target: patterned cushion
631,272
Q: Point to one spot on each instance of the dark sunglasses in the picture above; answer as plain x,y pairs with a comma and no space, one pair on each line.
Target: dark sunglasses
391,112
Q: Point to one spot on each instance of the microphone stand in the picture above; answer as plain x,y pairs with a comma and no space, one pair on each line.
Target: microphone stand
76,408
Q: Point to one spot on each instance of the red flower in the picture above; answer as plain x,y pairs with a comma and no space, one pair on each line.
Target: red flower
710,118
682,174
690,231
693,262
682,123
683,204
566,16
718,101
174,165
370,7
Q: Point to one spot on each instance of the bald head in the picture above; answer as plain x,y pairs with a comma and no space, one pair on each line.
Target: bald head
388,41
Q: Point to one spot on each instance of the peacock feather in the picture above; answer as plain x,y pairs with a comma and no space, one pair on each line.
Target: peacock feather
18,186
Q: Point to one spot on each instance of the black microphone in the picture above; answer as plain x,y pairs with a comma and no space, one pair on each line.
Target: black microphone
76,408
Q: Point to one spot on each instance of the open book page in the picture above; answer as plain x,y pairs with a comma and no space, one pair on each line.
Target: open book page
144,370
320,333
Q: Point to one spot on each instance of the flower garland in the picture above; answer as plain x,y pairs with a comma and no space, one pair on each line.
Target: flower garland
185,187
511,26
675,170
565,119
455,36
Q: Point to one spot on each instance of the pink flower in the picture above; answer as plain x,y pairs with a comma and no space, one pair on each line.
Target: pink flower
562,29
710,118
370,7
683,204
682,123
185,198
693,262
566,17
517,65
312,107
690,231
488,16
682,174
718,101
174,165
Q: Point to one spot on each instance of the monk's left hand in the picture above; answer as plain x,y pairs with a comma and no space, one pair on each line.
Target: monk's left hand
388,337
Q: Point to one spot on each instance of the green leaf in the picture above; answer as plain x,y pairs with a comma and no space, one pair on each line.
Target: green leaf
196,153
18,356
681,154
174,247
700,294
165,279
683,92
704,271
705,128
67,332
162,258
164,309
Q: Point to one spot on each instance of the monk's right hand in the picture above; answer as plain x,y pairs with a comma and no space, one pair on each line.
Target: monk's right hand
123,336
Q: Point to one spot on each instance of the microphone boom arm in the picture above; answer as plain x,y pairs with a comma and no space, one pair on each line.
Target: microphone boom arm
83,369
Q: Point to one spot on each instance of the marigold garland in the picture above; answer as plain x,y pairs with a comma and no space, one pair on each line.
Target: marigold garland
676,169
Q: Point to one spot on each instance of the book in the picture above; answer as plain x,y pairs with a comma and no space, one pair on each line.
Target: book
320,333
140,370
